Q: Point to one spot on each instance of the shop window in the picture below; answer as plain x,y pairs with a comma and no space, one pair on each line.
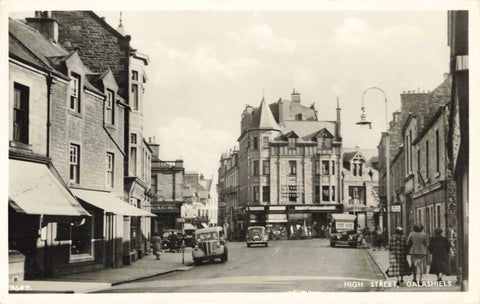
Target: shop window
82,238
20,113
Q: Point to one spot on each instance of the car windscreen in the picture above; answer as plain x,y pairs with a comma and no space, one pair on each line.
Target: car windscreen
207,236
253,231
344,225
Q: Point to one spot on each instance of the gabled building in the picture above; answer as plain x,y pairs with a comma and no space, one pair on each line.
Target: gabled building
202,199
289,167
360,188
101,48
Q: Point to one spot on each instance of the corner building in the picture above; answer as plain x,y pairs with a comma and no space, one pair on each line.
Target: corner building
289,167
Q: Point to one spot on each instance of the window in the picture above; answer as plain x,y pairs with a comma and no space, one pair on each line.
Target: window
265,142
266,167
135,96
410,164
360,169
256,193
426,159
418,160
20,113
317,194
325,168
134,75
439,217
82,238
293,167
110,166
255,143
354,169
333,167
133,138
154,184
292,193
317,167
298,117
133,160
291,143
74,163
75,93
256,167
328,143
266,194
326,193
333,193
109,106
437,151
319,143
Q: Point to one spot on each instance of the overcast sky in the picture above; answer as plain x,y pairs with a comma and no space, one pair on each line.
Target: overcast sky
206,66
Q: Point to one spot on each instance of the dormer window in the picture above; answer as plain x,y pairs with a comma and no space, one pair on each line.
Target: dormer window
109,107
327,143
74,93
291,143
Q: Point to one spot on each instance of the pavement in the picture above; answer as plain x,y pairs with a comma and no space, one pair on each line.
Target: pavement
92,281
381,258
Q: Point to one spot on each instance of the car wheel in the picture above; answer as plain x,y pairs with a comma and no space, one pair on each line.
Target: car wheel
266,244
248,245
332,244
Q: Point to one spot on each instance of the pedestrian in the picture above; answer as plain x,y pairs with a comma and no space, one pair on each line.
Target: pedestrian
417,240
157,245
439,247
399,266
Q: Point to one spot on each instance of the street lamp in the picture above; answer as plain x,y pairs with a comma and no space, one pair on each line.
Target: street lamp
363,121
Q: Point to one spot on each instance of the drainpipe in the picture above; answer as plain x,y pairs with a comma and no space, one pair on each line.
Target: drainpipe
49,101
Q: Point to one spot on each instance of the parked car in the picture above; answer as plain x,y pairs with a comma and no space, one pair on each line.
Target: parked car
344,230
210,244
172,240
189,230
256,235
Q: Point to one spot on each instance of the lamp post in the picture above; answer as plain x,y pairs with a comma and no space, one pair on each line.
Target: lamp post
363,121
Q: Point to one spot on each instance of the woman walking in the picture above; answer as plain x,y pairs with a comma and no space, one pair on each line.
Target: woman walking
418,251
439,247
399,266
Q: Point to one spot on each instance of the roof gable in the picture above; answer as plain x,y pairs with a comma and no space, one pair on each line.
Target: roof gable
323,133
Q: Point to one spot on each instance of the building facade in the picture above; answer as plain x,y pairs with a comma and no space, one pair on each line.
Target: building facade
360,189
87,33
289,167
458,133
167,190
228,193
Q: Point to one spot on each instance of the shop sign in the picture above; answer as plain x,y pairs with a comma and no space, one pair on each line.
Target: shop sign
256,208
396,208
277,208
277,218
315,208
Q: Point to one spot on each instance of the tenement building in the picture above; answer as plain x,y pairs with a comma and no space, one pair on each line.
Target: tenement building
289,166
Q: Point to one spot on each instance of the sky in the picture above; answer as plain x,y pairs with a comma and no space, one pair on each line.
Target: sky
206,66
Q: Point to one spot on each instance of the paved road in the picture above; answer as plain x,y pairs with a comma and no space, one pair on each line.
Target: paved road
301,265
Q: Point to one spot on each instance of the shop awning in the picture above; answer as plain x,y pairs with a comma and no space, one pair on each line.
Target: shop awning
109,203
33,189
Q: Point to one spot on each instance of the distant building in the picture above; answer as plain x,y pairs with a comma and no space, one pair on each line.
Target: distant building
202,199
289,166
228,194
167,189
360,188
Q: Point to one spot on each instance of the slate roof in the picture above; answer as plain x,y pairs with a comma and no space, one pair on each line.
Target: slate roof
307,129
266,119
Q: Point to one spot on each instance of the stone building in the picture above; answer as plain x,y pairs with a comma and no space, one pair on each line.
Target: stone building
103,48
167,190
289,167
360,188
458,133
397,174
227,189
201,196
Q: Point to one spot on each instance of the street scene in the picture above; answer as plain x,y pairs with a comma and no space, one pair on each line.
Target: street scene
181,152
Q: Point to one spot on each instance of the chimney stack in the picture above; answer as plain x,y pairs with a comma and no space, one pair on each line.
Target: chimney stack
45,24
295,96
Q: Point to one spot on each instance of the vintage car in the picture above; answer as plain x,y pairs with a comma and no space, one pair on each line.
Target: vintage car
189,230
210,244
343,230
172,240
257,235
